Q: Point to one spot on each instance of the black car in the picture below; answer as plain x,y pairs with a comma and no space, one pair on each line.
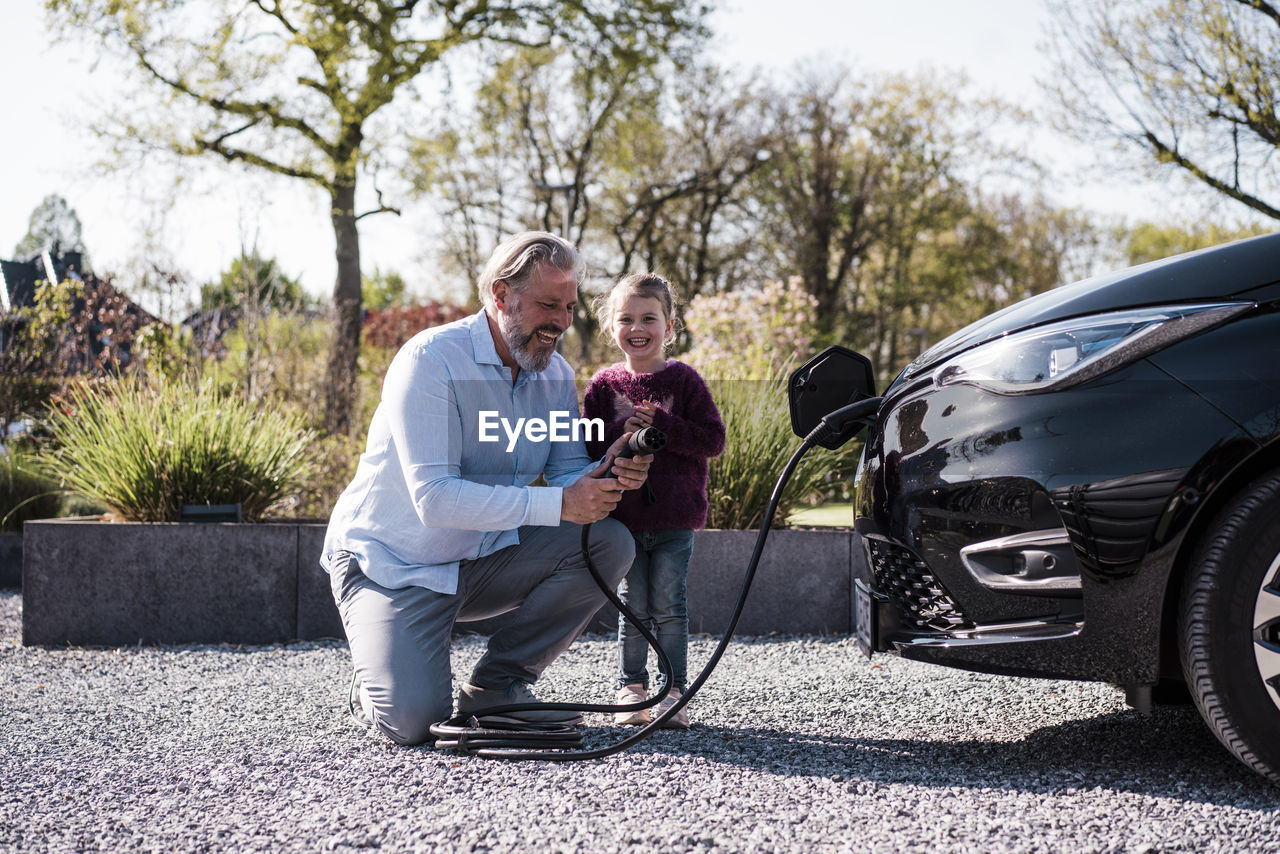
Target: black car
1086,485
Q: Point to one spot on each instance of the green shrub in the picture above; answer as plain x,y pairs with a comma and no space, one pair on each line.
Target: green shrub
758,444
331,464
276,359
24,493
144,451
81,505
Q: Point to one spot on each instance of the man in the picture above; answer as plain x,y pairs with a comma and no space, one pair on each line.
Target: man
441,522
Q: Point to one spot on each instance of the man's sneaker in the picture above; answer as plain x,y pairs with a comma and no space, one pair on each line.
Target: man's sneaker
629,695
680,720
473,698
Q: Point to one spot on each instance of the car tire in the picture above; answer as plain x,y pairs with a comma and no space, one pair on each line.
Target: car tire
1229,626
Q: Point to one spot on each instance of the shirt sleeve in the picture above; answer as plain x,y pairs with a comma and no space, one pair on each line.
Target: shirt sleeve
568,461
425,422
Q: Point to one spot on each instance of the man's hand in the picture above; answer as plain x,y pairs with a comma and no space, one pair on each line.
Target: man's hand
630,472
589,499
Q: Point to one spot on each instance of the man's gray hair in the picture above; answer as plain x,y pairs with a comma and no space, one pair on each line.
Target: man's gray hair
517,257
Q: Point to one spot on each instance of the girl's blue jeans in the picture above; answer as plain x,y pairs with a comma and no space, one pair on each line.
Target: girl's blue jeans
654,590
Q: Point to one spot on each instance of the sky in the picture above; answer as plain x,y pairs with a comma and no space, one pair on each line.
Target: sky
51,87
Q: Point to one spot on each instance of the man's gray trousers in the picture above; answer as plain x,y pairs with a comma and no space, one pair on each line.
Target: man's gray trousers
400,638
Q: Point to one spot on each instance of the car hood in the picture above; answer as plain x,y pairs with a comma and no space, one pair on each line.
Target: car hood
1219,272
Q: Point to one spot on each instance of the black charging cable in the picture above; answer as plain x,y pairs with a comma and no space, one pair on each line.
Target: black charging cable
557,743
472,733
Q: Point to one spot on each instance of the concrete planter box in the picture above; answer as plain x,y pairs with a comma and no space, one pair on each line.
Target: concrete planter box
113,583
88,582
803,585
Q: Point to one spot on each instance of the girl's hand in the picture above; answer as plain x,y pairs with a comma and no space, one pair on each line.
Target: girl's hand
644,413
641,416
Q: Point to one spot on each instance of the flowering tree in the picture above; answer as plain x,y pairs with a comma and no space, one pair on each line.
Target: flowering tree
751,334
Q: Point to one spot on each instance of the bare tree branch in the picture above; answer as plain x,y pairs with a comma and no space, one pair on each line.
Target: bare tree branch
1170,154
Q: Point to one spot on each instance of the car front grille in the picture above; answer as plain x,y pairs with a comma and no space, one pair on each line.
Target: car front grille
922,601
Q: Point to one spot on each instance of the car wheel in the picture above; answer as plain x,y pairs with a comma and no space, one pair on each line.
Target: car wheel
1229,626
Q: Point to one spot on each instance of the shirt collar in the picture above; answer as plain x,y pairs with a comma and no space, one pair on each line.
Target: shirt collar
482,340
486,353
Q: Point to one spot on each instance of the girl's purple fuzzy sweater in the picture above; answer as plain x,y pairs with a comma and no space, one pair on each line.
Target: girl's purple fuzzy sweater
695,433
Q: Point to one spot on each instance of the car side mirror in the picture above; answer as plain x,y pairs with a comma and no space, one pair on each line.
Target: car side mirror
834,378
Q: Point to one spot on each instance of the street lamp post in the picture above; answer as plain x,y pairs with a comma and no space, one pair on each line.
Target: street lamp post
567,189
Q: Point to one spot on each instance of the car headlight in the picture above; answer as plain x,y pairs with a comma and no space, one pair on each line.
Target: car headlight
1070,352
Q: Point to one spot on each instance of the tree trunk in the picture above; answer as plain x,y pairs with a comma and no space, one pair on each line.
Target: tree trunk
340,390
816,269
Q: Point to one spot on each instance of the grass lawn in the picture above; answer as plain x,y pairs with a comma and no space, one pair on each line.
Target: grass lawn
823,516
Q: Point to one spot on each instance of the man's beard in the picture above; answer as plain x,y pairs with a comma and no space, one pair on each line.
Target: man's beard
513,332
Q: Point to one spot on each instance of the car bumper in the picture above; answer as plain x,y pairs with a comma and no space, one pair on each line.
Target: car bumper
1032,535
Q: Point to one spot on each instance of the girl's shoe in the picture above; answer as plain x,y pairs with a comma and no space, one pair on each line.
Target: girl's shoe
629,695
680,720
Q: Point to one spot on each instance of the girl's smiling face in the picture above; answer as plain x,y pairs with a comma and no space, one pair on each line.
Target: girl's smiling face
640,328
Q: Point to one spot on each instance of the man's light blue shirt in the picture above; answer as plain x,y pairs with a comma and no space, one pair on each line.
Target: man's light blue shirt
428,492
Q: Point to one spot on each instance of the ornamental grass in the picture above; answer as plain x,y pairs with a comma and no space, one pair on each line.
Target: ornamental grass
746,343
758,444
144,450
25,494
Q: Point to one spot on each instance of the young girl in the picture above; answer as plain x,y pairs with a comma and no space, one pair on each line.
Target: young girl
647,389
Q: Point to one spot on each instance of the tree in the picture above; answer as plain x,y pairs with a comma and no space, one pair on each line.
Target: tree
1149,241
646,163
818,188
1010,248
73,327
55,226
535,122
292,88
938,270
1188,85
253,283
384,289
893,203
527,152
869,166
34,356
680,194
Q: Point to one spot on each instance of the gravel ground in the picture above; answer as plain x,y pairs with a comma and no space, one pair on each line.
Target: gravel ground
799,745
